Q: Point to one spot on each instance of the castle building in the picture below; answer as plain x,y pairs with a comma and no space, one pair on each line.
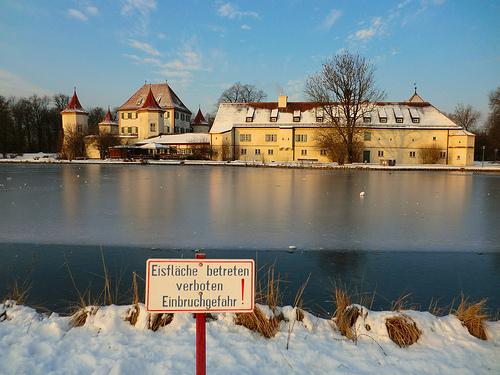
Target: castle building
199,124
285,131
152,110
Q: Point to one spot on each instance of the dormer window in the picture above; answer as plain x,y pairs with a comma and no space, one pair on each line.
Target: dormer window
250,114
367,117
415,117
139,102
398,115
382,115
296,116
319,115
274,115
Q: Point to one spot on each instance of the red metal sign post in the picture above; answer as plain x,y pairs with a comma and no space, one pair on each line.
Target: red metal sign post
201,362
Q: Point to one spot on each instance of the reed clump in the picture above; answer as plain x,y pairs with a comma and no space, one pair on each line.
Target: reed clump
472,315
135,310
271,296
345,314
156,321
402,330
80,316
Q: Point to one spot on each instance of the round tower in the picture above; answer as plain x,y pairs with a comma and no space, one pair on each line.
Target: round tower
74,117
199,124
108,125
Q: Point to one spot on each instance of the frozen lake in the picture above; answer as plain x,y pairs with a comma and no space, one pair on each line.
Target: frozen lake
434,234
249,208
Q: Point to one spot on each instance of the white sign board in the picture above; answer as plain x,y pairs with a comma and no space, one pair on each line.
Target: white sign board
200,285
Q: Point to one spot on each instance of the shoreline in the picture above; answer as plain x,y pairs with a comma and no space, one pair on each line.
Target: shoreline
489,167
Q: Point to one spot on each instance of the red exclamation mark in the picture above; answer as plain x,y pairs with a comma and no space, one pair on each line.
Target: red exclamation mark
242,290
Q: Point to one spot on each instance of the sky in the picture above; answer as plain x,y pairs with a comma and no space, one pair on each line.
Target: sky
109,48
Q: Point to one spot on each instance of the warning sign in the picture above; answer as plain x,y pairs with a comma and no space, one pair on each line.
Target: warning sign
200,285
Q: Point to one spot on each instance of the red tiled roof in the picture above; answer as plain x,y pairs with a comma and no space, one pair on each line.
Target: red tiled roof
199,119
163,93
150,102
108,119
74,104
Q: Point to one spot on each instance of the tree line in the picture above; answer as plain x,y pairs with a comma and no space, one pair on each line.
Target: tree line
34,124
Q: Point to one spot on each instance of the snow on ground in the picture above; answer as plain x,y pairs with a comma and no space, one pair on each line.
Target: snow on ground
52,158
31,343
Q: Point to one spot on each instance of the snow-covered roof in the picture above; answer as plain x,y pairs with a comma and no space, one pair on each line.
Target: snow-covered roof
177,139
231,115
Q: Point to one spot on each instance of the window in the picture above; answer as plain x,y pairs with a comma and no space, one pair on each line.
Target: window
399,120
250,114
412,154
168,129
383,120
123,130
135,129
367,136
322,152
123,115
442,154
271,138
270,152
79,128
182,116
296,116
176,115
152,127
319,114
367,120
274,115
245,137
167,114
300,137
129,114
243,151
381,154
129,130
458,157
433,138
415,117
398,115
139,102
382,115
303,152
257,151
319,119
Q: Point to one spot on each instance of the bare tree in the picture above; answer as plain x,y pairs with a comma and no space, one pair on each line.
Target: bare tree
96,114
430,154
345,90
239,93
465,116
103,141
329,139
60,101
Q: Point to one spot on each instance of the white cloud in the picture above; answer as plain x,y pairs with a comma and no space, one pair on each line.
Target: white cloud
246,27
75,13
142,60
376,28
143,46
231,11
12,84
330,19
186,62
92,10
141,6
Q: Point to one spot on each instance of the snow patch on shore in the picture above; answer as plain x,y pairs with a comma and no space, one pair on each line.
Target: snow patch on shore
33,343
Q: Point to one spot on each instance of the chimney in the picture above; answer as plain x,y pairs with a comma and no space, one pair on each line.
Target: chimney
282,101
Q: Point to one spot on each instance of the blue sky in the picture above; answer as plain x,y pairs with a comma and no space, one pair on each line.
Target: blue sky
451,49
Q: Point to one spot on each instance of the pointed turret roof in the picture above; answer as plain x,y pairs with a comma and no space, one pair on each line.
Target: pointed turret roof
199,119
108,119
163,94
150,101
74,104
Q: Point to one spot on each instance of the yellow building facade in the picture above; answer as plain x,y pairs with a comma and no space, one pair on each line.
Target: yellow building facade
287,132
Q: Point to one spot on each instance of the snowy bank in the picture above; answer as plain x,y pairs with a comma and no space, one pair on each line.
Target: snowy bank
32,343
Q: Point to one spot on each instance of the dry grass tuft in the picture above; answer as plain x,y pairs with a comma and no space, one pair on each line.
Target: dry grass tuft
156,321
134,311
472,315
402,330
79,318
257,321
345,315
